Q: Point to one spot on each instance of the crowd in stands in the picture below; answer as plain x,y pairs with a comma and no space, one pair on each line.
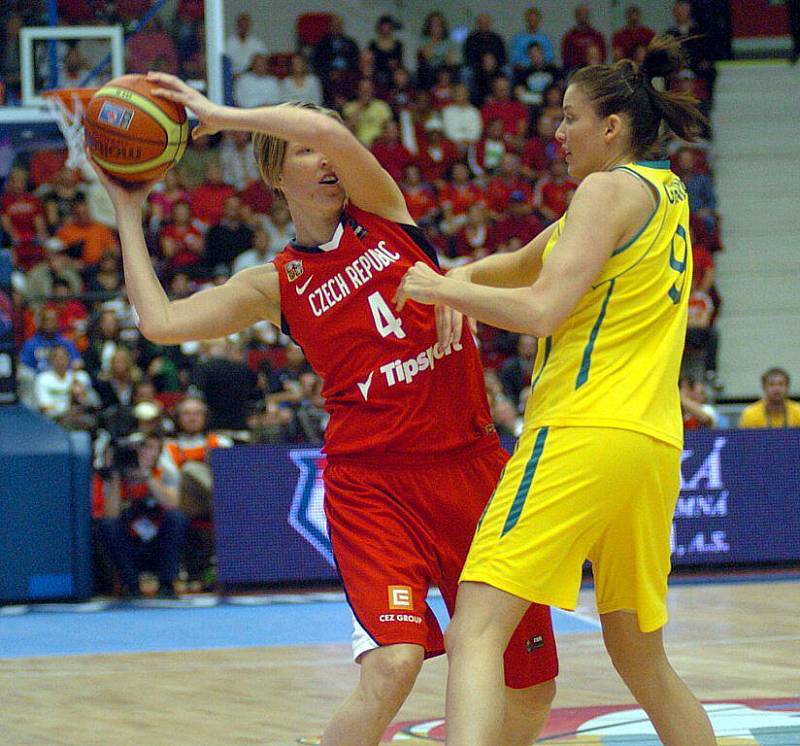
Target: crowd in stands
466,130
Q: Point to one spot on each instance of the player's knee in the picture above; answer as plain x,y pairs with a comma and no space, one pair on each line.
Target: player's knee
389,673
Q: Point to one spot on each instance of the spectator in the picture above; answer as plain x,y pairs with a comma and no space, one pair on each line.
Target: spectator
534,78
300,84
86,239
509,181
390,152
259,254
442,89
54,267
486,156
387,50
228,238
579,38
459,194
437,154
72,313
700,189
521,41
103,342
151,48
554,192
107,275
60,196
73,69
256,87
181,242
243,45
311,415
512,113
517,226
419,196
228,385
56,388
35,353
115,384
208,199
272,424
506,418
289,376
236,159
461,120
697,412
631,35
196,159
334,57
188,27
436,49
367,115
402,93
515,373
162,200
483,40
150,532
540,149
22,217
472,240
483,80
184,465
775,408
278,225
10,56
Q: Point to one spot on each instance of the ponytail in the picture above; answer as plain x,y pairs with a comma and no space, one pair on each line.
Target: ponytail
627,88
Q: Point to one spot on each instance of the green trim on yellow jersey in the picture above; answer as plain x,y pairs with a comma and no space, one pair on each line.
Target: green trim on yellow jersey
523,490
586,361
647,222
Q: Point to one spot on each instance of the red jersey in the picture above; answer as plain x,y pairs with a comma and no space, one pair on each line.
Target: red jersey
391,392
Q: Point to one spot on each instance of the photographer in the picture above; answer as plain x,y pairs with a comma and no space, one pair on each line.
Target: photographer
149,531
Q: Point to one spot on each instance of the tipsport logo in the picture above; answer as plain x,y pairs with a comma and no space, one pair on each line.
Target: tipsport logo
307,514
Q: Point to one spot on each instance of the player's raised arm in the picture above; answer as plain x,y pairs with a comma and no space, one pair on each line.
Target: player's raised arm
366,182
248,297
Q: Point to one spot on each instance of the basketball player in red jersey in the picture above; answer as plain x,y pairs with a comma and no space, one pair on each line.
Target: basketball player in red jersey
412,458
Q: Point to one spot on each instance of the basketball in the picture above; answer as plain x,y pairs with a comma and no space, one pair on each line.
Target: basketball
133,135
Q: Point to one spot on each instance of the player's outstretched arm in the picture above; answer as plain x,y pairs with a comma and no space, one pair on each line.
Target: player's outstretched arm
248,297
604,209
515,269
366,182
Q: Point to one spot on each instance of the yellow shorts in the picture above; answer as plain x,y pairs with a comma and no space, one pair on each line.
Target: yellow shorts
572,493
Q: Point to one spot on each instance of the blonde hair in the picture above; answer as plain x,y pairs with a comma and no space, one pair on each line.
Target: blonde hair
270,151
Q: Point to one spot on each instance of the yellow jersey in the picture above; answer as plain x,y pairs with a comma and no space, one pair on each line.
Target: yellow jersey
756,415
615,360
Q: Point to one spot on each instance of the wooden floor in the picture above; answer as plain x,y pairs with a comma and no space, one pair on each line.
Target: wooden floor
729,641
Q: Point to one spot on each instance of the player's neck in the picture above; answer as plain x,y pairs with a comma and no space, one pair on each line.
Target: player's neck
313,229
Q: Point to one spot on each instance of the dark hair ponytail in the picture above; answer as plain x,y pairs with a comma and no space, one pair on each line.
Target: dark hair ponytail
627,88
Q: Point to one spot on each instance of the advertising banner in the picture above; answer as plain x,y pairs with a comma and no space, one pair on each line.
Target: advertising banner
739,504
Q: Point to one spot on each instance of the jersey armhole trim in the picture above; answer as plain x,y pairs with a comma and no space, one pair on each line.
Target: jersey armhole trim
652,187
416,234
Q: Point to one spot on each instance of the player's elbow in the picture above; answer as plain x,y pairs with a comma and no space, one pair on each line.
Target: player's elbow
156,333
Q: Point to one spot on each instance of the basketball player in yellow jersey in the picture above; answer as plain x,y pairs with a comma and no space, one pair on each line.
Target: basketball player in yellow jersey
596,471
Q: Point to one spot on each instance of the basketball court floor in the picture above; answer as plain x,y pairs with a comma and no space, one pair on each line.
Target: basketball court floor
271,670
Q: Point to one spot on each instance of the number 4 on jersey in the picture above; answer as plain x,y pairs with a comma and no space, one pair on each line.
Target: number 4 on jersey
385,321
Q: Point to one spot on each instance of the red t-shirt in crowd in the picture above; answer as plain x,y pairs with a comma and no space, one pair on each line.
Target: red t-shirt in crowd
434,161
208,202
461,197
627,39
499,191
575,43
514,115
257,196
537,153
393,156
554,196
185,237
420,201
22,210
703,261
524,228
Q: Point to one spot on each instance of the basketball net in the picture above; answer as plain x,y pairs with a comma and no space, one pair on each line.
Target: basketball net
67,107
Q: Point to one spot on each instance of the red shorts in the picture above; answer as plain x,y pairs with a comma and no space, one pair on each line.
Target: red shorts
397,530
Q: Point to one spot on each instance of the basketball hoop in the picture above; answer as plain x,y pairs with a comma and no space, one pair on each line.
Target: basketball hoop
68,105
